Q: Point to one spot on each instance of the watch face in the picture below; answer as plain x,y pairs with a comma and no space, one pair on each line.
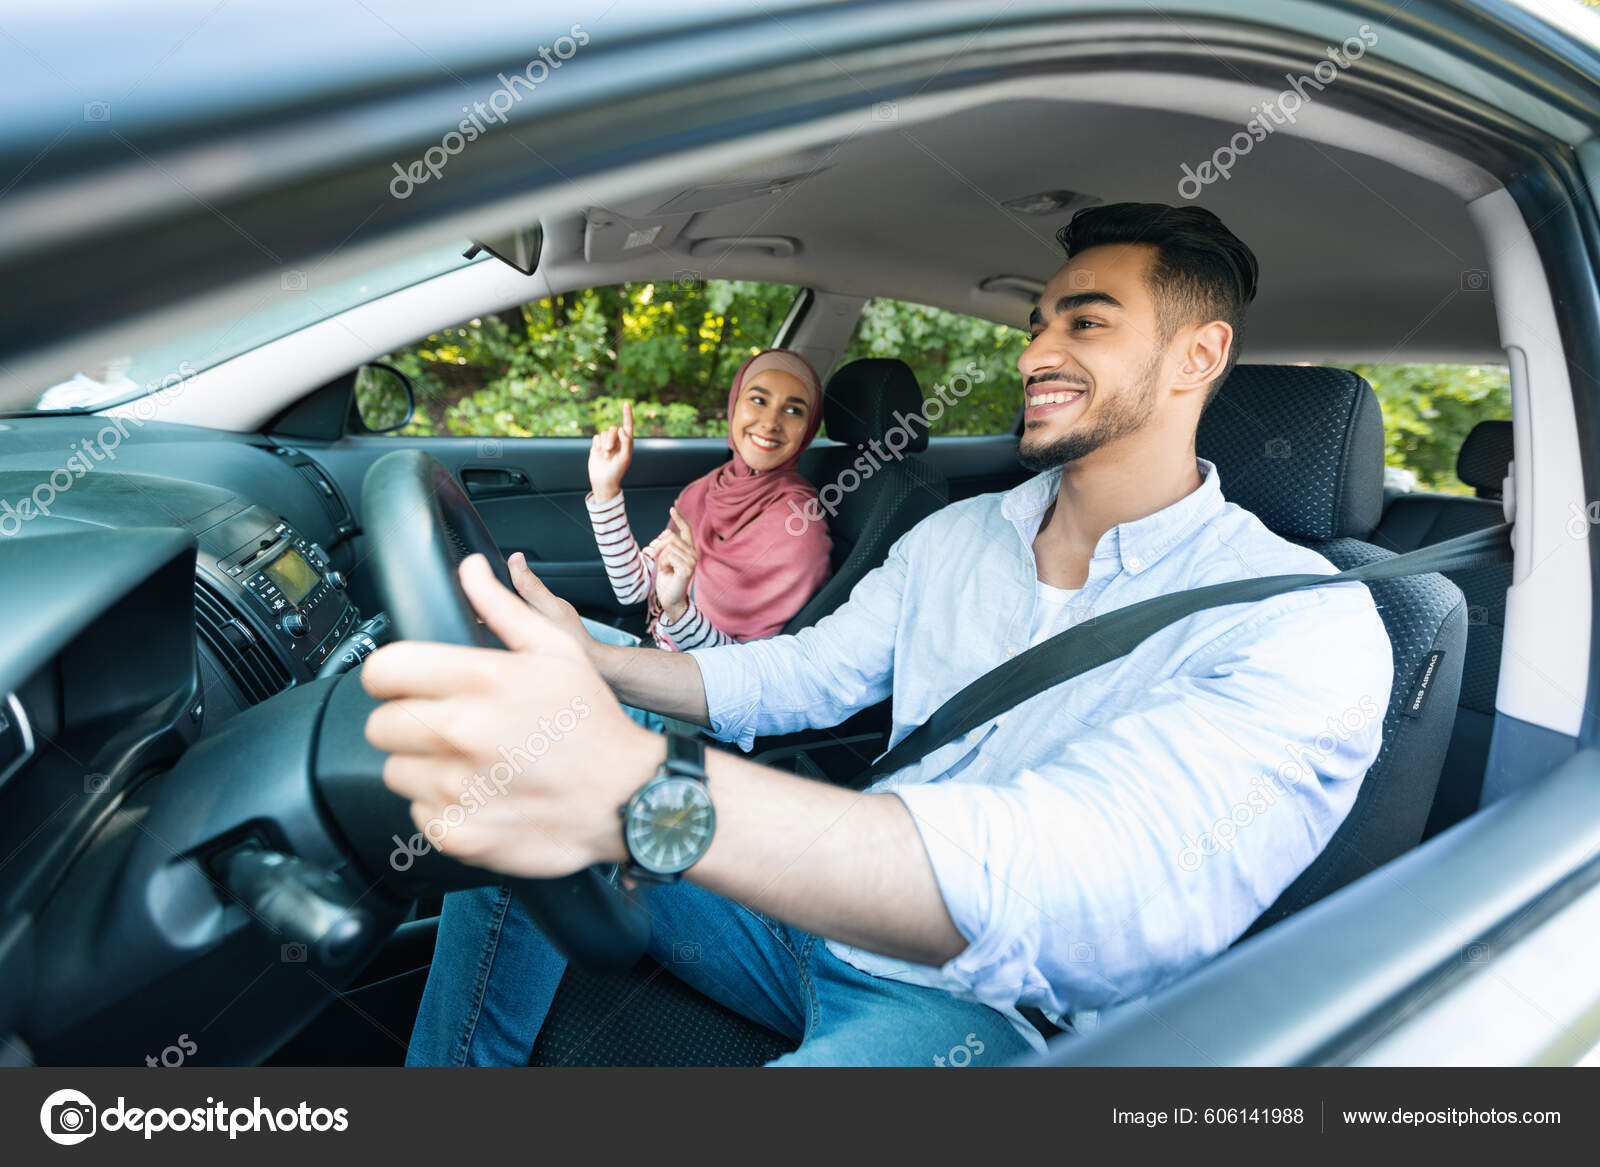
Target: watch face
669,825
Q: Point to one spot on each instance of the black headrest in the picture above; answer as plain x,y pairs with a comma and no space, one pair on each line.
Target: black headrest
1299,445
1485,458
867,398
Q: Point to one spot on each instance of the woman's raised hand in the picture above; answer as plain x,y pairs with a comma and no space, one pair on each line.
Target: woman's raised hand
610,454
675,557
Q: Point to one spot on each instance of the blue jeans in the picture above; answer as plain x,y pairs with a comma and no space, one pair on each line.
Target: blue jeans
494,976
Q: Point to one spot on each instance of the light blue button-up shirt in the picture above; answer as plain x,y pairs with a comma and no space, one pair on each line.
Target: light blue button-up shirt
1110,834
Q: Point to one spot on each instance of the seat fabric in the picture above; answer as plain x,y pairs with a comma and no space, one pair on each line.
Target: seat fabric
872,408
1419,519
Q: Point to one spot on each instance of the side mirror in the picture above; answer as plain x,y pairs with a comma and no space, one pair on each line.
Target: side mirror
384,398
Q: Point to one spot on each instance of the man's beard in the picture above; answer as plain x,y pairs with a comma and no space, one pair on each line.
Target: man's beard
1124,415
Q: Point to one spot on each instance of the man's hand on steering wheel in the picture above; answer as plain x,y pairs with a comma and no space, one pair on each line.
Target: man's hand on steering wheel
453,714
545,602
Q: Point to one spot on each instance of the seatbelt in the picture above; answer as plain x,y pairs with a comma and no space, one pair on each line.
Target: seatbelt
1104,638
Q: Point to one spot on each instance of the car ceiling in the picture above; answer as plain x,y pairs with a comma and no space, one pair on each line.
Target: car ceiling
1360,259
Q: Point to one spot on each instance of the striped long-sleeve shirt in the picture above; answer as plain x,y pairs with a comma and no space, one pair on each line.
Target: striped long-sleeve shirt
633,574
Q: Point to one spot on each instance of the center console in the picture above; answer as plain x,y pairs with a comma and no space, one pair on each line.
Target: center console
275,573
270,606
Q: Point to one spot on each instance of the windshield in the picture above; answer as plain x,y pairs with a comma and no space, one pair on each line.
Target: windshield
298,303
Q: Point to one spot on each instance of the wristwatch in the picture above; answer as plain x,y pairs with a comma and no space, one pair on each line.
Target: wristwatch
667,825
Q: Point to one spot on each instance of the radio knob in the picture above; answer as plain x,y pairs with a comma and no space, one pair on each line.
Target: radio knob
294,624
335,580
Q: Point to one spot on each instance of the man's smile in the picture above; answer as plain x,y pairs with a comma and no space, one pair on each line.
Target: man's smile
1045,399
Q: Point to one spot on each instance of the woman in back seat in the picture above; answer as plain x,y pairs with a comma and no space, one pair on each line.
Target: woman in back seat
728,567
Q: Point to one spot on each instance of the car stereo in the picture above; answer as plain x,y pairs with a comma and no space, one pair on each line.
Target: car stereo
283,579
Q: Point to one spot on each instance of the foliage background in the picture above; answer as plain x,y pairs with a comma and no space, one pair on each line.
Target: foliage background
563,365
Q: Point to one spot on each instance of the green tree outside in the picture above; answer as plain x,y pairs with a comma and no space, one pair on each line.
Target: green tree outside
1428,411
562,366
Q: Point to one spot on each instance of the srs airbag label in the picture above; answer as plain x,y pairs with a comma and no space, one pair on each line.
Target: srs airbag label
1425,675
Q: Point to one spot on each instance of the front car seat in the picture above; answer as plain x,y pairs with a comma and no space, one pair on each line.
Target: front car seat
1302,447
871,500
1418,519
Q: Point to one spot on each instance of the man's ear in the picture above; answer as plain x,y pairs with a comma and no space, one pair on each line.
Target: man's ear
1203,354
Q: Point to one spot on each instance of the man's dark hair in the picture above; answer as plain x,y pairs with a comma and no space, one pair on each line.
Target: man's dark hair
1201,272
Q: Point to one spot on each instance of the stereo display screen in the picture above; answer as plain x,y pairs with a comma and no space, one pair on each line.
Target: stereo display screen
293,574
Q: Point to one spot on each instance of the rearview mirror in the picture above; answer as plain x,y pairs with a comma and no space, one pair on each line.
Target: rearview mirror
520,249
384,398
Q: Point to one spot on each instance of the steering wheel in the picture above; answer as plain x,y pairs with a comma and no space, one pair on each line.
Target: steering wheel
422,525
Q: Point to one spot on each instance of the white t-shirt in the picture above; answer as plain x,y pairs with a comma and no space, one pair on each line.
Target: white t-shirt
1047,618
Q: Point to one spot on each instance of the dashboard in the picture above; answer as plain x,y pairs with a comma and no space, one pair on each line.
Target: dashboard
159,581
273,544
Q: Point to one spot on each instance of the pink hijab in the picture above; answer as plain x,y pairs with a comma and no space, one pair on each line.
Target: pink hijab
755,570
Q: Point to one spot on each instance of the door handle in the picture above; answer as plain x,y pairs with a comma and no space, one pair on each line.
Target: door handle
486,482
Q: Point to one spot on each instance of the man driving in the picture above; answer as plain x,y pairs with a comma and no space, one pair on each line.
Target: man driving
1066,855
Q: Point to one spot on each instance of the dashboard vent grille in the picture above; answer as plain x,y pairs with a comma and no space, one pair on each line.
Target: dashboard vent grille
327,495
252,665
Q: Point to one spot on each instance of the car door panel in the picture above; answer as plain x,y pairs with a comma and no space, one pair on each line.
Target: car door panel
981,464
531,494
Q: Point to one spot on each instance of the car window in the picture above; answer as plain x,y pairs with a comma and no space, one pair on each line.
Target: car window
973,361
1428,411
562,366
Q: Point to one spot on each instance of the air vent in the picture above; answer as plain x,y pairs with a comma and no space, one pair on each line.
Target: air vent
254,669
326,494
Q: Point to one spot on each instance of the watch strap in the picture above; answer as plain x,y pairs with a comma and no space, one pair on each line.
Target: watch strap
686,758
